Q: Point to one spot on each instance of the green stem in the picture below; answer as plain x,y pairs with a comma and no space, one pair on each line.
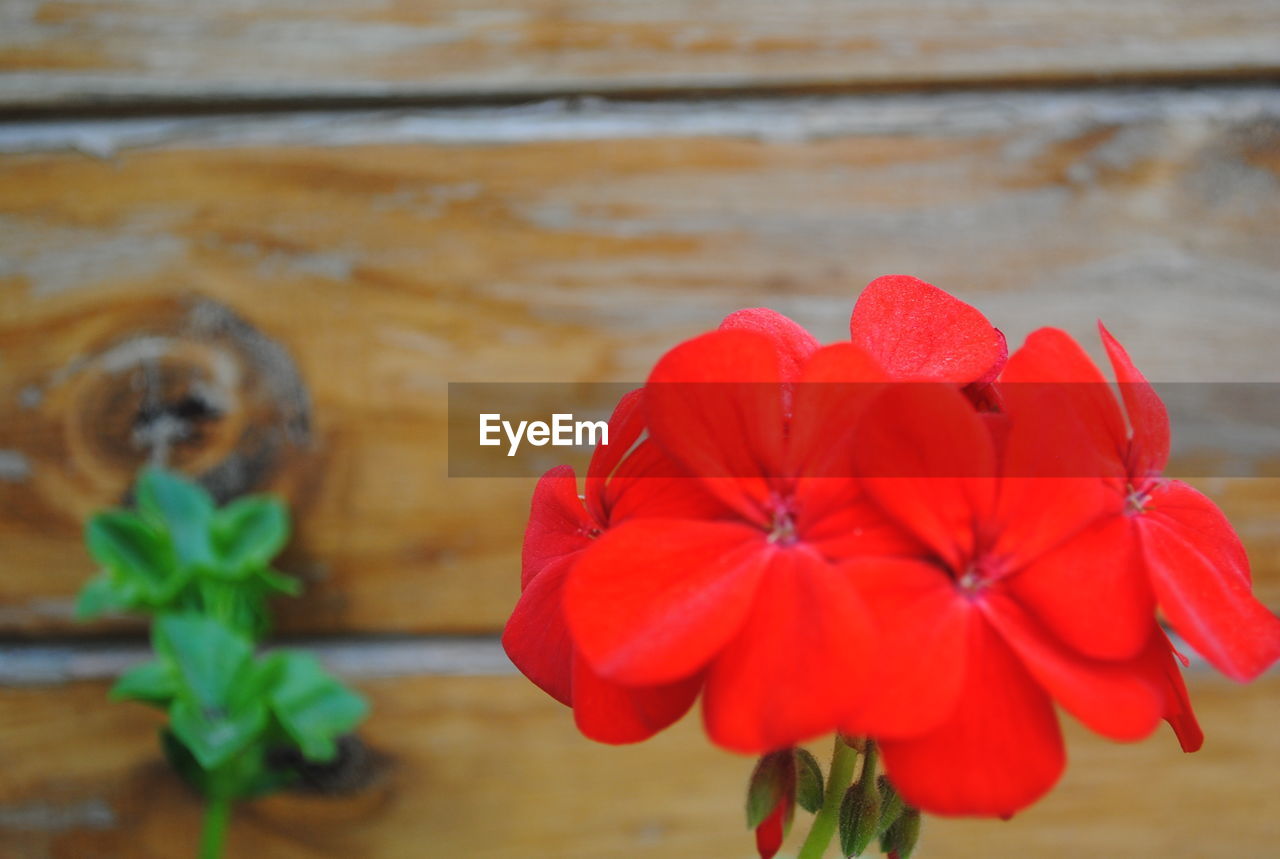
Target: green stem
843,758
217,817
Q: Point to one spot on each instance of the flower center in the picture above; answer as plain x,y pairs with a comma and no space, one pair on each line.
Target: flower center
980,573
784,528
1136,499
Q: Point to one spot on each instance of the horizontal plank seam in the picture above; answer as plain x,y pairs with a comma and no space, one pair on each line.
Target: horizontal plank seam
34,664
82,103
791,121
46,664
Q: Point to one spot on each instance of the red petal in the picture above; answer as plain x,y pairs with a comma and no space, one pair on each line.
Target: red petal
536,638
842,524
999,752
769,833
1161,669
917,331
646,484
1200,575
1147,415
922,626
799,664
625,425
837,385
793,343
610,713
714,405
1072,424
654,599
1063,453
1092,592
1111,698
558,523
929,462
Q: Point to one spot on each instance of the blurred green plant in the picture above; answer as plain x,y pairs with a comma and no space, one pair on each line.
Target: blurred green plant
204,574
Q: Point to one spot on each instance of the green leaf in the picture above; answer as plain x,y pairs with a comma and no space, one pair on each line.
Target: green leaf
135,553
214,735
250,531
277,582
151,682
101,595
185,763
809,785
313,706
259,681
209,657
183,508
244,775
772,781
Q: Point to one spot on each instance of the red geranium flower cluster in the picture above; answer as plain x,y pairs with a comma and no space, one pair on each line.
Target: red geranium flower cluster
789,531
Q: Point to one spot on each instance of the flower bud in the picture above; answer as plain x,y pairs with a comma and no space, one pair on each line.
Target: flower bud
771,797
859,816
901,836
891,804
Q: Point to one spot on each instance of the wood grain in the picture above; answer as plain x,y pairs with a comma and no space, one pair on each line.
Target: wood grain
489,767
76,53
383,255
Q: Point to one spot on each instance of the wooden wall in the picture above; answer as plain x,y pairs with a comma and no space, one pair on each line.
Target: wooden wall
295,223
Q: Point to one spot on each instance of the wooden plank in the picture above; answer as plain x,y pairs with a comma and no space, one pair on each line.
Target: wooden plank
489,767
313,282
83,53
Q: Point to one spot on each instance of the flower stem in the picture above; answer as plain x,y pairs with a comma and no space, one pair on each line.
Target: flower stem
217,817
843,758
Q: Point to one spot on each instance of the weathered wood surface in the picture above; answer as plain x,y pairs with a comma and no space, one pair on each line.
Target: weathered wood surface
306,285
76,53
489,767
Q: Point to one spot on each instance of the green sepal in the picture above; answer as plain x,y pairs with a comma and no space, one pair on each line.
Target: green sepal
809,782
859,816
313,706
151,683
183,508
773,781
249,532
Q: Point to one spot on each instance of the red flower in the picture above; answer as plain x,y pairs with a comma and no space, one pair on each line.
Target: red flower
963,706
561,526
751,598
1159,540
933,564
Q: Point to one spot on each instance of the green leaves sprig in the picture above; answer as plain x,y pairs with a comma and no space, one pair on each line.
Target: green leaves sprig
178,552
205,575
